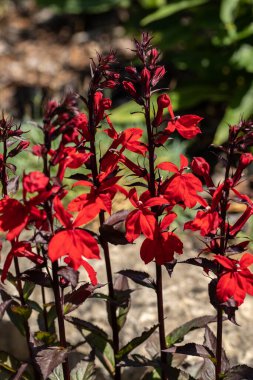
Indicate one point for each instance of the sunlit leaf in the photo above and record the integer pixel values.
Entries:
(170, 9)
(135, 342)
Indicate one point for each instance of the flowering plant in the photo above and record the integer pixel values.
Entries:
(42, 224)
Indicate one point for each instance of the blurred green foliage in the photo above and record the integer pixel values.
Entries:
(207, 45)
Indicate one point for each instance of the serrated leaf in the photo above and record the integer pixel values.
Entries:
(113, 230)
(98, 340)
(191, 349)
(210, 341)
(178, 334)
(13, 185)
(3, 306)
(48, 359)
(170, 9)
(11, 368)
(135, 342)
(22, 311)
(141, 278)
(137, 360)
(88, 326)
(37, 277)
(122, 299)
(74, 299)
(239, 372)
(28, 288)
(46, 337)
(82, 372)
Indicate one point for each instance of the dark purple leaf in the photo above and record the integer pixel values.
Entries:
(135, 342)
(191, 349)
(137, 360)
(13, 185)
(170, 266)
(20, 371)
(139, 277)
(210, 341)
(113, 230)
(178, 334)
(90, 327)
(99, 342)
(79, 177)
(207, 370)
(202, 262)
(48, 359)
(70, 275)
(239, 372)
(140, 184)
(122, 298)
(36, 276)
(74, 299)
(3, 306)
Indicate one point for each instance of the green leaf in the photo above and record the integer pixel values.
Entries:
(228, 10)
(46, 337)
(84, 372)
(243, 58)
(22, 311)
(241, 109)
(135, 342)
(98, 340)
(178, 334)
(28, 288)
(103, 350)
(170, 9)
(9, 366)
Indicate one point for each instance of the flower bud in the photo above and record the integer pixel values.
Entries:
(200, 167)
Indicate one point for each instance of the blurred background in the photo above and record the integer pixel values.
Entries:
(46, 46)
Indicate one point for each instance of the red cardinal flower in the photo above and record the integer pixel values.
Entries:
(186, 125)
(181, 187)
(20, 249)
(35, 181)
(207, 221)
(73, 242)
(236, 279)
(142, 220)
(163, 246)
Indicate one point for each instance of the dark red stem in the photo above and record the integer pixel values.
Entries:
(159, 284)
(104, 244)
(55, 280)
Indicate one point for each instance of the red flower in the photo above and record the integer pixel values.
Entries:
(181, 188)
(20, 249)
(142, 220)
(73, 242)
(162, 248)
(236, 279)
(35, 181)
(186, 125)
(207, 221)
(13, 217)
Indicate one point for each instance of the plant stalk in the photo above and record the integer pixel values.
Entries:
(60, 317)
(159, 283)
(55, 267)
(104, 244)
